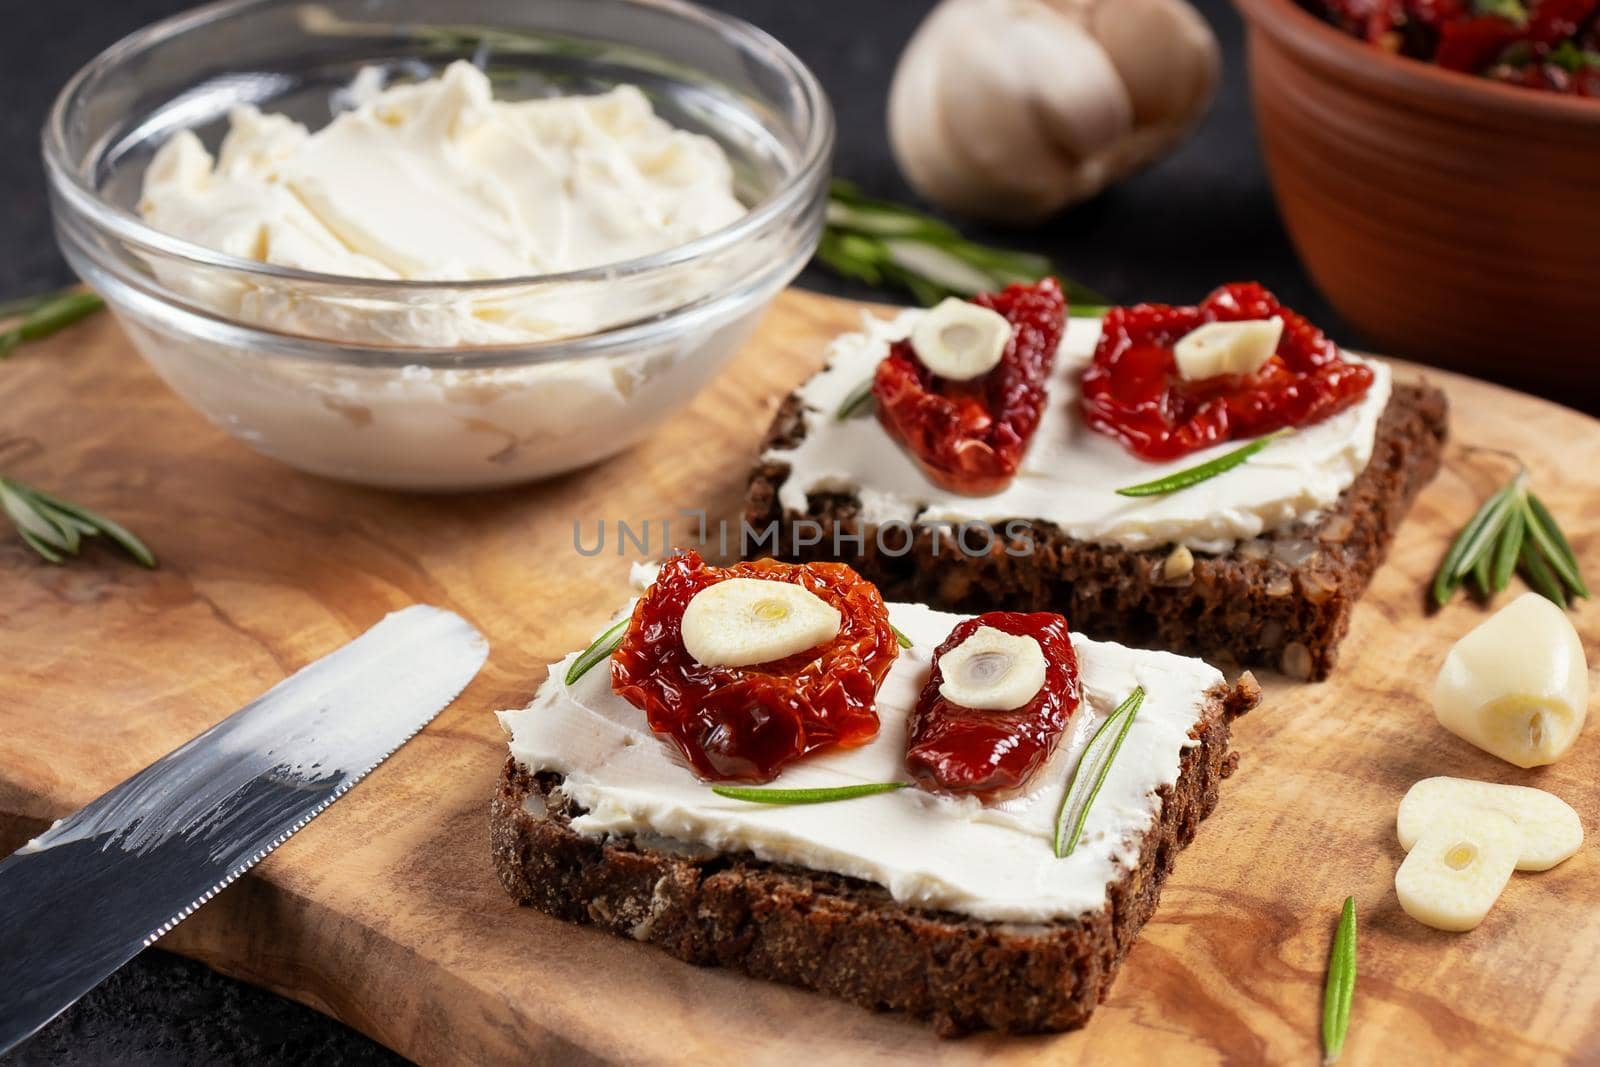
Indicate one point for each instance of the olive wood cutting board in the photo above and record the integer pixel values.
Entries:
(385, 913)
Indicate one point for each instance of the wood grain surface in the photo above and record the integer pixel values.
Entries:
(385, 913)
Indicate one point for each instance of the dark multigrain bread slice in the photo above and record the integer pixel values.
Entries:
(846, 937)
(1282, 600)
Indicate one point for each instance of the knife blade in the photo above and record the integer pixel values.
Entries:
(102, 884)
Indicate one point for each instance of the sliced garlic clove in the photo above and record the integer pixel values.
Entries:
(1454, 873)
(960, 341)
(744, 621)
(1516, 686)
(992, 671)
(1551, 831)
(1241, 347)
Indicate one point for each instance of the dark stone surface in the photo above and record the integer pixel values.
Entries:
(1202, 216)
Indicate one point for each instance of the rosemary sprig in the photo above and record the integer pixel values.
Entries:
(806, 796)
(882, 243)
(43, 315)
(905, 642)
(1341, 986)
(1195, 475)
(55, 528)
(1512, 531)
(1090, 775)
(598, 650)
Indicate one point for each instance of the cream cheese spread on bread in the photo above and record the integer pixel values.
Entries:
(1070, 473)
(992, 863)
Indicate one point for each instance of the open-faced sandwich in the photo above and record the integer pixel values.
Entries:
(968, 818)
(1221, 480)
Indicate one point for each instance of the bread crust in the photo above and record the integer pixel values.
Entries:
(842, 936)
(1282, 600)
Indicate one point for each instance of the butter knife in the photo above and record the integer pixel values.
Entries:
(87, 895)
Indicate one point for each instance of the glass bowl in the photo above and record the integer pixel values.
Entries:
(342, 387)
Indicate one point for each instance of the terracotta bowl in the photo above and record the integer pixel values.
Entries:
(1449, 218)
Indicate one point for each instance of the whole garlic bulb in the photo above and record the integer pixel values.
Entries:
(1013, 109)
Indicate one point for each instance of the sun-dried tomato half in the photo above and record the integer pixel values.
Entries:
(994, 754)
(1133, 392)
(969, 436)
(746, 723)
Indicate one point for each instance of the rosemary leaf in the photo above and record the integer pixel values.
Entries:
(806, 796)
(905, 642)
(119, 534)
(858, 401)
(1480, 571)
(43, 518)
(1553, 528)
(1506, 551)
(20, 509)
(937, 266)
(881, 243)
(62, 518)
(1537, 571)
(50, 554)
(1340, 989)
(1544, 533)
(1448, 577)
(23, 305)
(1195, 475)
(1481, 543)
(59, 311)
(1091, 772)
(880, 223)
(600, 649)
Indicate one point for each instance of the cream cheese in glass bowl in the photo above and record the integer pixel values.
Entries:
(440, 245)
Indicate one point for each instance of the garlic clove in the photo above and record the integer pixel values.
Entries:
(1013, 109)
(1034, 137)
(1517, 685)
(917, 124)
(739, 622)
(1551, 831)
(992, 671)
(1218, 348)
(1455, 872)
(960, 340)
(1163, 83)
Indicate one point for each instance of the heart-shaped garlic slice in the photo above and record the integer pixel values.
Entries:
(1551, 830)
(959, 340)
(992, 671)
(744, 621)
(1217, 348)
(1454, 873)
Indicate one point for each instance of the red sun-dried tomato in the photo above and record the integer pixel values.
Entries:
(1132, 390)
(1472, 44)
(746, 723)
(969, 436)
(994, 754)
